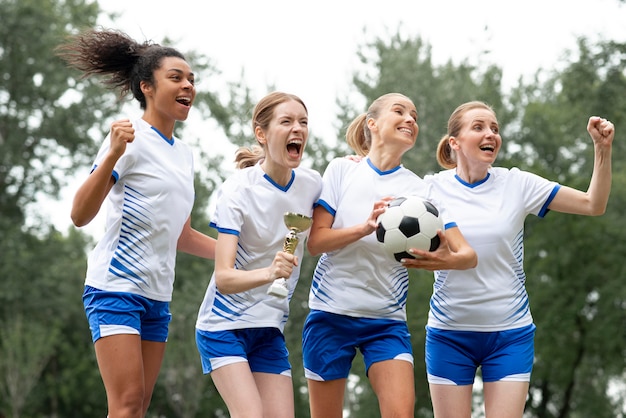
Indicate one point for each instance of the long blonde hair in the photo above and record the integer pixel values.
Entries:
(446, 157)
(261, 117)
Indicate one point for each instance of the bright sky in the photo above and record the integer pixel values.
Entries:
(309, 48)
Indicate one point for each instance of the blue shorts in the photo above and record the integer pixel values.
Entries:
(453, 357)
(330, 341)
(263, 348)
(113, 313)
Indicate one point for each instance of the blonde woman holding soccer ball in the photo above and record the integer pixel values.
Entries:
(480, 317)
(358, 294)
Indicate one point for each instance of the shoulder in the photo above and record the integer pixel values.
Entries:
(308, 175)
(343, 163)
(441, 176)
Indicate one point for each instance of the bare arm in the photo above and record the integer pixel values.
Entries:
(324, 238)
(90, 195)
(454, 253)
(231, 280)
(196, 243)
(592, 202)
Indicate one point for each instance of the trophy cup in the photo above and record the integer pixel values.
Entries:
(296, 223)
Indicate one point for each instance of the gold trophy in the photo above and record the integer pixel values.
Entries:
(296, 223)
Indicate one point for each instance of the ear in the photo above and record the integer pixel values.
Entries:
(454, 143)
(371, 124)
(260, 135)
(146, 88)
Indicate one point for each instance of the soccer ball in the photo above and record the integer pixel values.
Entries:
(408, 222)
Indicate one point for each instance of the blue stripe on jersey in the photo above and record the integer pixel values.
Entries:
(438, 300)
(520, 304)
(128, 260)
(399, 286)
(317, 286)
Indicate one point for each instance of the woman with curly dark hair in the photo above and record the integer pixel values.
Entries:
(145, 175)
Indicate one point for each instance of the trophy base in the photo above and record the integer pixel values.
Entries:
(278, 288)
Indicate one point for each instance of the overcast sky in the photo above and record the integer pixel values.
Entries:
(309, 47)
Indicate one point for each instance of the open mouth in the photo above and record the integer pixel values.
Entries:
(294, 148)
(184, 101)
(489, 148)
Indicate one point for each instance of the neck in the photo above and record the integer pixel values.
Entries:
(281, 175)
(384, 160)
(165, 126)
(471, 175)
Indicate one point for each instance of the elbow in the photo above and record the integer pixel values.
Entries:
(470, 260)
(79, 221)
(599, 211)
(473, 260)
(222, 285)
(313, 249)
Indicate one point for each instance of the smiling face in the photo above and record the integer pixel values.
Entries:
(170, 97)
(478, 141)
(395, 123)
(284, 139)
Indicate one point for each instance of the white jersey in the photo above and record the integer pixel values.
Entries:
(490, 214)
(145, 213)
(251, 205)
(360, 280)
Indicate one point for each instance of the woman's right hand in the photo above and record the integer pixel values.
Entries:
(379, 208)
(122, 133)
(282, 266)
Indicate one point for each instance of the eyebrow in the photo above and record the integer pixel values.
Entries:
(178, 70)
(404, 107)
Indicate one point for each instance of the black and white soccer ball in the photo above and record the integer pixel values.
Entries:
(408, 222)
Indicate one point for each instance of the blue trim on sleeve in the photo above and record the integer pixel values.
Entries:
(115, 174)
(450, 225)
(326, 206)
(224, 230)
(544, 209)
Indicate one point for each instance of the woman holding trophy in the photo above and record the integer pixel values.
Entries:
(246, 305)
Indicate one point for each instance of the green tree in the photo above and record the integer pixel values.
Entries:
(575, 276)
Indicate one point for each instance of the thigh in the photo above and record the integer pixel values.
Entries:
(276, 393)
(326, 398)
(120, 362)
(505, 399)
(152, 357)
(393, 383)
(238, 389)
(451, 401)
